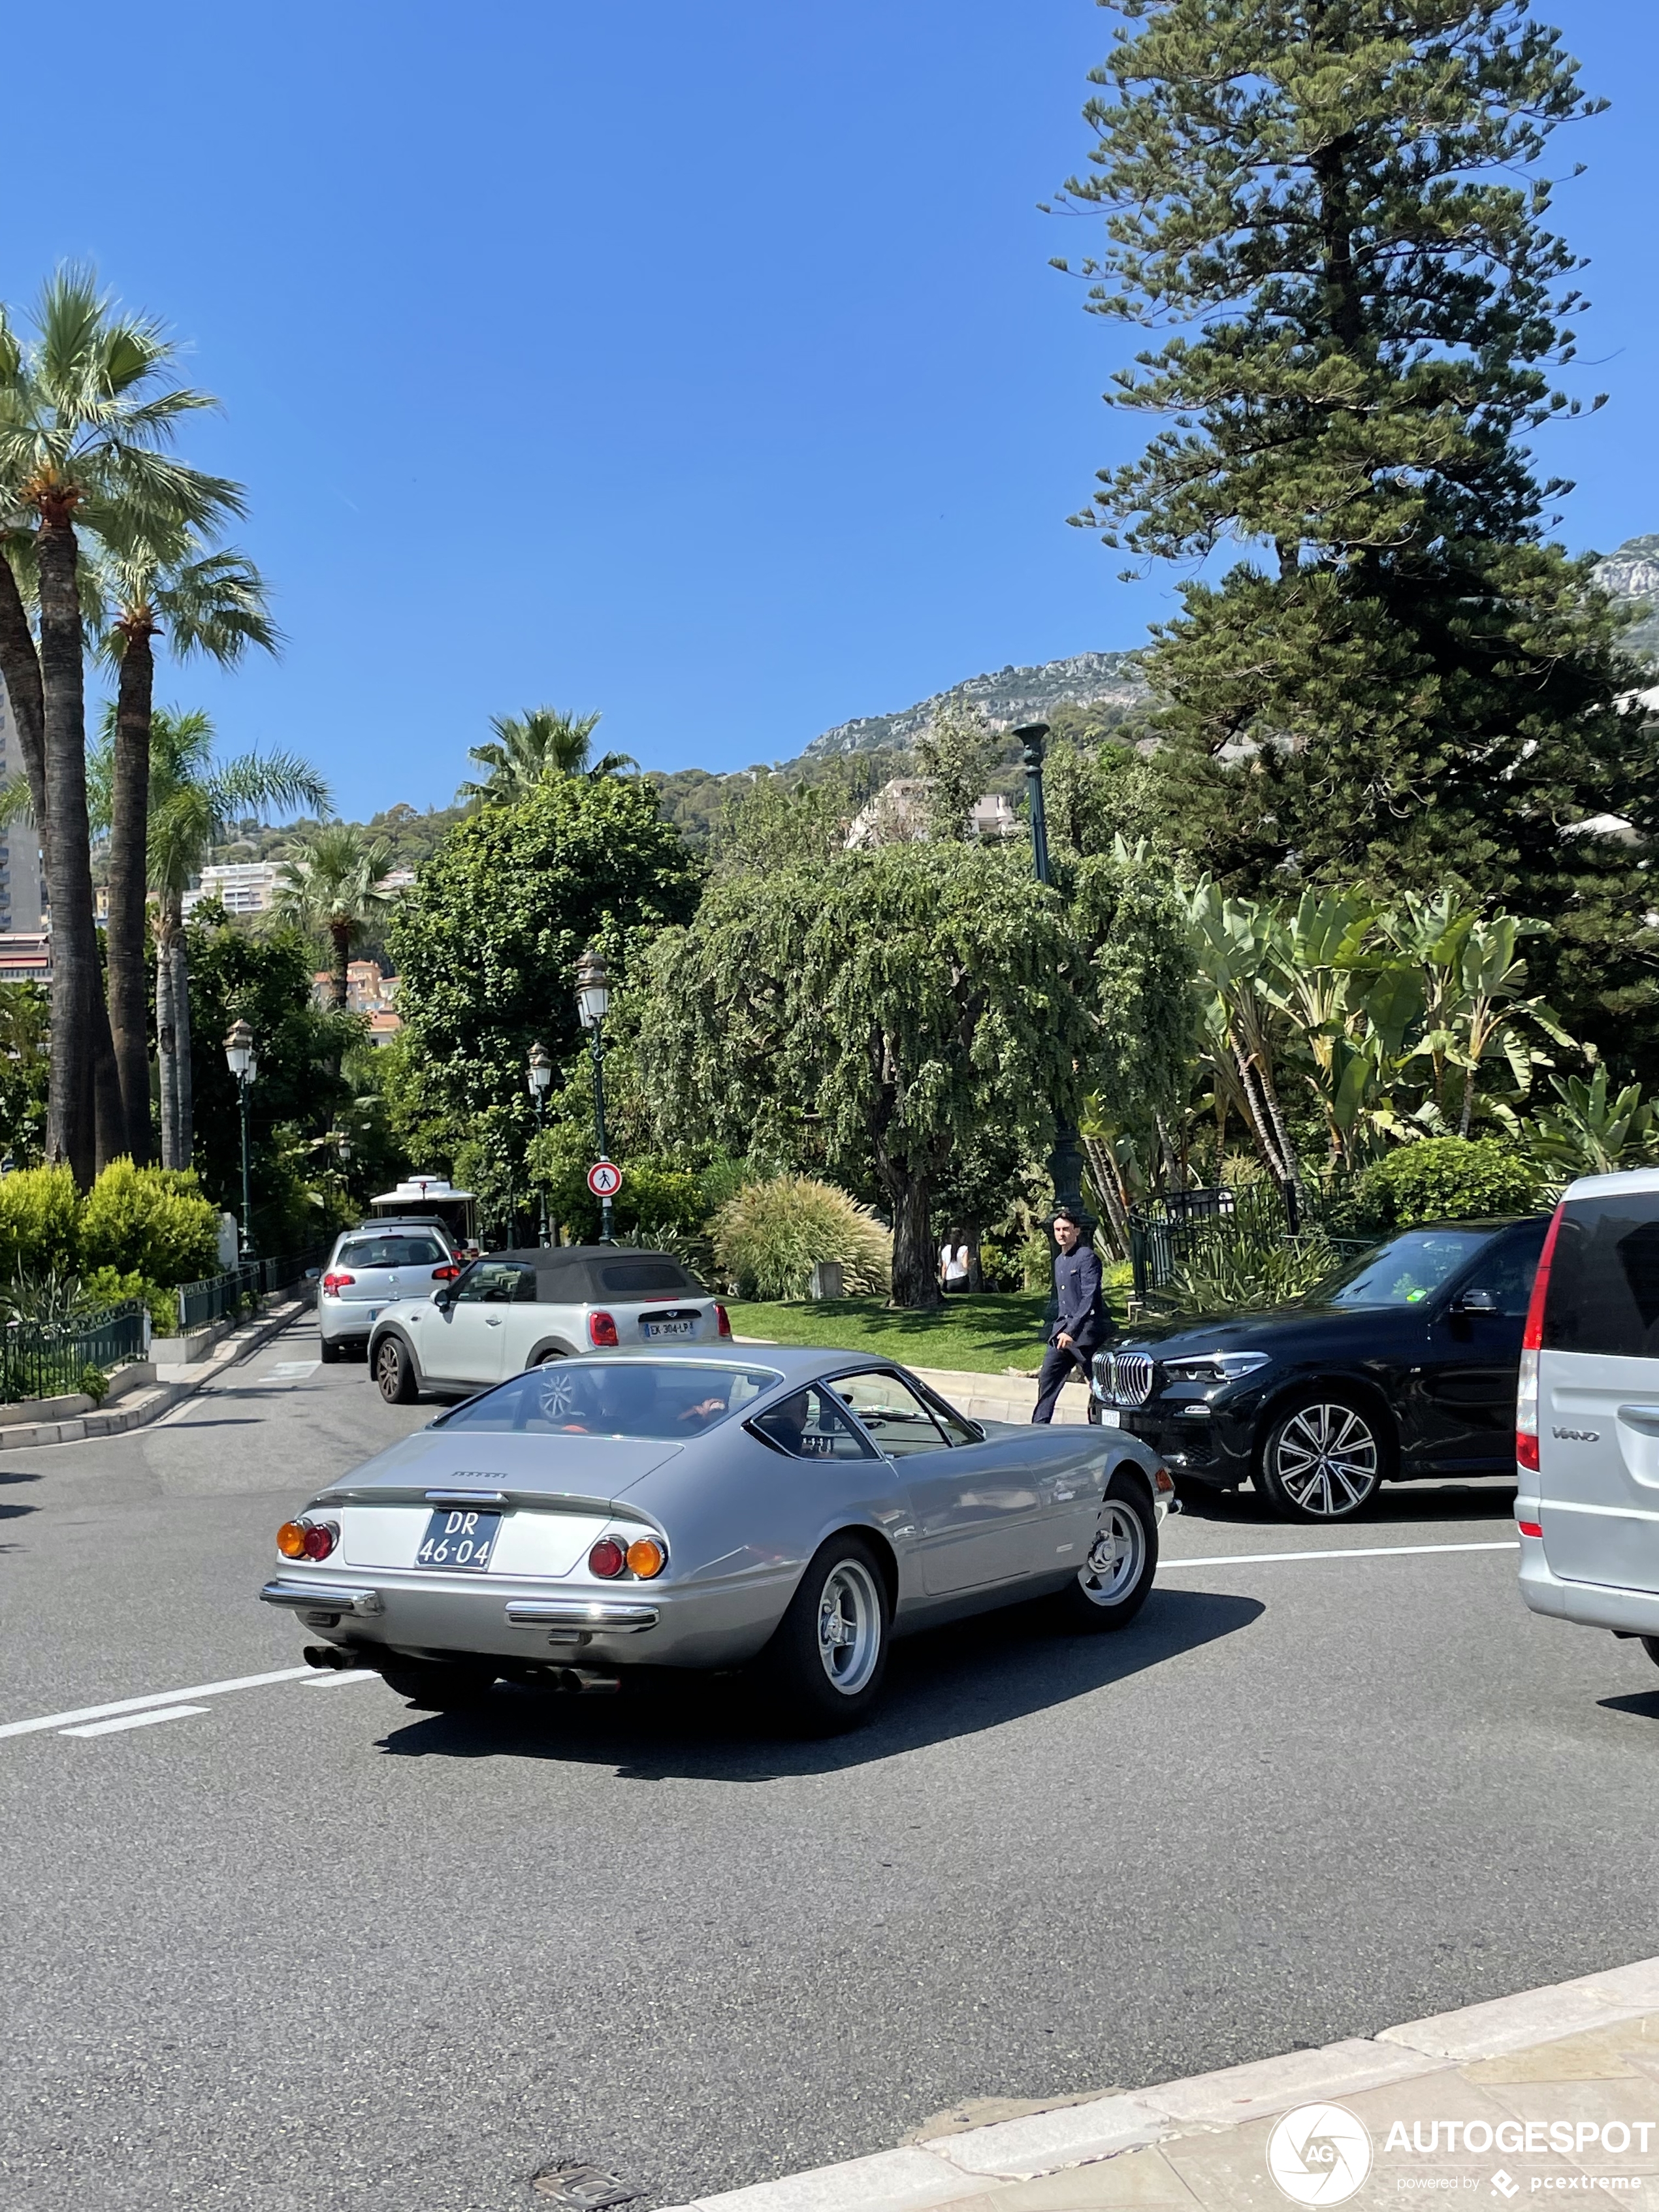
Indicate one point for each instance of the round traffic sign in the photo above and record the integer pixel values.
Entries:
(605, 1179)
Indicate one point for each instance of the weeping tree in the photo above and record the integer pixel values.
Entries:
(194, 801)
(901, 1001)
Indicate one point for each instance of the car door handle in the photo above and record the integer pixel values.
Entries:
(492, 1321)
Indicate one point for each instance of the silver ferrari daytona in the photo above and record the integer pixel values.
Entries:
(694, 1510)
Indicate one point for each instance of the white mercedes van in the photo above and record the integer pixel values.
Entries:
(1586, 1419)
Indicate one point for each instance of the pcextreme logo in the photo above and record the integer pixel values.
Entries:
(1319, 2154)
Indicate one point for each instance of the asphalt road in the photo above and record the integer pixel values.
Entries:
(304, 1949)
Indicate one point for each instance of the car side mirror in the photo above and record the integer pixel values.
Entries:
(443, 1299)
(1474, 1302)
(312, 1274)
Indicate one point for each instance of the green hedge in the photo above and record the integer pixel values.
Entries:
(1445, 1179)
(137, 1222)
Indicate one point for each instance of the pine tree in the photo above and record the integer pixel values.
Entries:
(1340, 207)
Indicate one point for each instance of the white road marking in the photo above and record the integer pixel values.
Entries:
(137, 1720)
(63, 1721)
(1371, 1552)
(353, 1674)
(289, 1371)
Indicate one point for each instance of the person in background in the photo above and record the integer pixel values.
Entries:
(1082, 1323)
(953, 1263)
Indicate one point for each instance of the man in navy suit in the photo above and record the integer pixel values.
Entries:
(1081, 1320)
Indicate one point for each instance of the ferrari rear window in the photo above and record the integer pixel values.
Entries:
(654, 1398)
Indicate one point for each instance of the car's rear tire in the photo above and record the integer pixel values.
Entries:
(394, 1372)
(442, 1684)
(1326, 1458)
(824, 1666)
(1116, 1578)
(331, 1349)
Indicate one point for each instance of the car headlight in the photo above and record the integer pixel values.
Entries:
(1216, 1366)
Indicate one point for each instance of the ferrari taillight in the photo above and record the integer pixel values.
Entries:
(607, 1559)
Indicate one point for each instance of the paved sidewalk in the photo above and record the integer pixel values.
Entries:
(1549, 2095)
(139, 1407)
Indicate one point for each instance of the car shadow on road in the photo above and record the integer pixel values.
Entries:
(949, 1683)
(1482, 1498)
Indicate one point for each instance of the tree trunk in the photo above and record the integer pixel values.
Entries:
(70, 1127)
(19, 665)
(109, 1115)
(915, 1271)
(166, 1040)
(339, 981)
(128, 875)
(186, 1076)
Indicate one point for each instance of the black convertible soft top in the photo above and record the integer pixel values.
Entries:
(585, 1274)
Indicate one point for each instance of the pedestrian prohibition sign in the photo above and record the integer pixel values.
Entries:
(604, 1179)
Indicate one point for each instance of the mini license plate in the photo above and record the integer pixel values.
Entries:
(456, 1536)
(654, 1328)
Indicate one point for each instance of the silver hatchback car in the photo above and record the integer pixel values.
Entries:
(516, 1310)
(371, 1268)
(1587, 1423)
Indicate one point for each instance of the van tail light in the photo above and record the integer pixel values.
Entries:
(1530, 1528)
(1526, 1396)
(445, 1274)
(602, 1329)
(722, 1320)
(335, 1284)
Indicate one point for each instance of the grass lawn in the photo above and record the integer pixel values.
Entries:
(983, 1335)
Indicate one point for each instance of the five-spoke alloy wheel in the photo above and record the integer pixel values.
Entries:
(1325, 1460)
(827, 1659)
(1111, 1585)
(394, 1372)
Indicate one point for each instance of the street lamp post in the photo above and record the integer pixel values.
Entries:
(592, 1003)
(239, 1057)
(540, 1075)
(1066, 1161)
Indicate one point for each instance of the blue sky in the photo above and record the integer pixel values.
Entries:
(699, 365)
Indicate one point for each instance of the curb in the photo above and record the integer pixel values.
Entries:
(150, 1404)
(945, 2168)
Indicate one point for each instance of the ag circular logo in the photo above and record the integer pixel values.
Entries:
(1319, 2154)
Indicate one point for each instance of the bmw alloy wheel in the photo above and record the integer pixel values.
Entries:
(1324, 1461)
(849, 1626)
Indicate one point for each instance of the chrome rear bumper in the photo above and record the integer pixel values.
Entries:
(599, 1618)
(322, 1597)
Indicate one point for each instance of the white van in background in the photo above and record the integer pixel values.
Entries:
(1587, 1421)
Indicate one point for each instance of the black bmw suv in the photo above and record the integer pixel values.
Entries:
(1403, 1363)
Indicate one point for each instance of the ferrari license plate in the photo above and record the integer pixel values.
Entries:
(655, 1328)
(456, 1536)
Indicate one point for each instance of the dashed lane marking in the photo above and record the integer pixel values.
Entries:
(350, 1674)
(137, 1720)
(1331, 1552)
(63, 1721)
(289, 1371)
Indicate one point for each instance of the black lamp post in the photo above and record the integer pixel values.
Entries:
(540, 1075)
(592, 1003)
(1066, 1161)
(239, 1057)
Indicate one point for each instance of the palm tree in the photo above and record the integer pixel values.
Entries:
(193, 803)
(212, 603)
(333, 883)
(85, 410)
(529, 749)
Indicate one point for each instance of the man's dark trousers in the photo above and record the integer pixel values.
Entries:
(1080, 1315)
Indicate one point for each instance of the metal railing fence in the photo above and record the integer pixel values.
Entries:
(211, 1299)
(49, 1360)
(1182, 1227)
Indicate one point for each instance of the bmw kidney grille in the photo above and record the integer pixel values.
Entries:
(1126, 1378)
